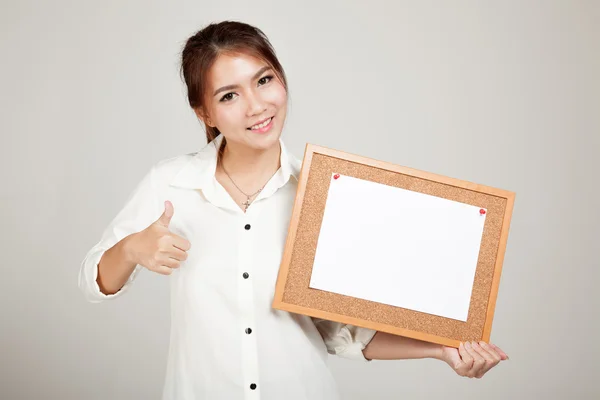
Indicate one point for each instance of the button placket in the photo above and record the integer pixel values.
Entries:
(246, 307)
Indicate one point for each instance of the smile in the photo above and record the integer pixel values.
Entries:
(263, 126)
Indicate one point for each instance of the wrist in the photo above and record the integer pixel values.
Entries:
(436, 352)
(128, 249)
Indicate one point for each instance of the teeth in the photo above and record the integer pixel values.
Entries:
(261, 125)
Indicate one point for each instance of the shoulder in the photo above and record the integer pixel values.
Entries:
(165, 169)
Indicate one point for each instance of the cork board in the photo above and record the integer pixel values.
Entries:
(293, 294)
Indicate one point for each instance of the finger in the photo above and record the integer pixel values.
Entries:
(489, 359)
(178, 254)
(477, 346)
(491, 351)
(467, 361)
(171, 262)
(163, 270)
(500, 351)
(484, 370)
(465, 355)
(165, 218)
(478, 360)
(181, 243)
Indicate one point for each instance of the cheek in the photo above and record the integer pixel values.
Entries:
(278, 96)
(229, 116)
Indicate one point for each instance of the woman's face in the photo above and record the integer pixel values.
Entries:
(244, 92)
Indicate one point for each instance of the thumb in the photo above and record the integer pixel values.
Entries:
(166, 216)
(452, 357)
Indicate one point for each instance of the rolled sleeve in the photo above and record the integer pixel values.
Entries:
(344, 340)
(88, 275)
(140, 210)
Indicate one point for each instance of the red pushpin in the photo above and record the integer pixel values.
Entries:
(482, 211)
(336, 176)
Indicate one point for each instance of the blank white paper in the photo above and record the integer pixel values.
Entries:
(398, 247)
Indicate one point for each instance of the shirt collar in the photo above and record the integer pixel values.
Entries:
(199, 173)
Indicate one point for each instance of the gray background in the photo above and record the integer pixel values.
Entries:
(504, 94)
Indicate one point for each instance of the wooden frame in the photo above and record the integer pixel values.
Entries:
(292, 293)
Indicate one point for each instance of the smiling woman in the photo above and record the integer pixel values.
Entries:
(216, 221)
(234, 78)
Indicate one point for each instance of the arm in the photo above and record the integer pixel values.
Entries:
(471, 359)
(115, 267)
(359, 343)
(385, 346)
(155, 248)
(106, 271)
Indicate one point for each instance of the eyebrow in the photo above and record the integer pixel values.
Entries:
(229, 87)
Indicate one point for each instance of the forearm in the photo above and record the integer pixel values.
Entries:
(115, 267)
(385, 346)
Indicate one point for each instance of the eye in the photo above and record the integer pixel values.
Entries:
(269, 77)
(227, 97)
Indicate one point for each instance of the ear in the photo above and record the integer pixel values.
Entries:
(203, 116)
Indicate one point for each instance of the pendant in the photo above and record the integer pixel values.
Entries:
(246, 204)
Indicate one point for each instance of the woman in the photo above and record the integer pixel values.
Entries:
(216, 221)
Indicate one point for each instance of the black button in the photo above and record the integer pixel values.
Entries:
(248, 331)
(246, 275)
(247, 227)
(253, 386)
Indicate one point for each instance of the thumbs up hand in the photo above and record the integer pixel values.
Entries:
(157, 248)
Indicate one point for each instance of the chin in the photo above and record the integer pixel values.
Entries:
(265, 140)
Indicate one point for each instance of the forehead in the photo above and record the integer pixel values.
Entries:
(231, 69)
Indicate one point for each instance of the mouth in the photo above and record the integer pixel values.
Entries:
(263, 126)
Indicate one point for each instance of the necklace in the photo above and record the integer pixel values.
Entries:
(246, 203)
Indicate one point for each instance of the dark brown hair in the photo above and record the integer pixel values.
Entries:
(203, 48)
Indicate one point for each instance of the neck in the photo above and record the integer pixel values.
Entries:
(248, 164)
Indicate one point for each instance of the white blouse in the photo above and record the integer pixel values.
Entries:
(226, 341)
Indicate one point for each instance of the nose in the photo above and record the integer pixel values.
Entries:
(256, 105)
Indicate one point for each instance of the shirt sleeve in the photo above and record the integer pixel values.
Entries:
(347, 341)
(140, 210)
